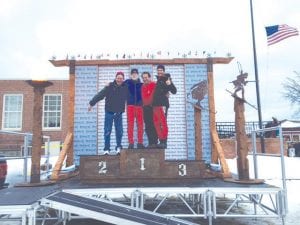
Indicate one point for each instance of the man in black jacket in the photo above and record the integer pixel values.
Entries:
(164, 85)
(115, 95)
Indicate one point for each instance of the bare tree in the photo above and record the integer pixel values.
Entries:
(292, 90)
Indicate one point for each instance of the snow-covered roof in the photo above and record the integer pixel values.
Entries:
(290, 124)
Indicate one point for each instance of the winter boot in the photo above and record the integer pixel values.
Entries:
(140, 146)
(162, 144)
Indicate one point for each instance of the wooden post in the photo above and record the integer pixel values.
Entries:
(66, 148)
(70, 152)
(211, 97)
(241, 138)
(220, 152)
(198, 132)
(37, 137)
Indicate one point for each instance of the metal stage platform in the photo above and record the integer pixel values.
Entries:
(209, 199)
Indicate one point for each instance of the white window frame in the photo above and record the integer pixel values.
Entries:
(294, 137)
(21, 112)
(61, 102)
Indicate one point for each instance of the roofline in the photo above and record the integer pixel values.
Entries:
(107, 62)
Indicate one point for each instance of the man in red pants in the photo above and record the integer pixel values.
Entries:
(164, 85)
(134, 109)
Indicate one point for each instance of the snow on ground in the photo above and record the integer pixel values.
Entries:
(15, 172)
(269, 169)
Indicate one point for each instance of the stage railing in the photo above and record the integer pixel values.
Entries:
(26, 150)
(281, 155)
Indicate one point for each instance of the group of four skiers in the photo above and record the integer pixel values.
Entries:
(146, 102)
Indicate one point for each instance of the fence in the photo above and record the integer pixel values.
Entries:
(227, 129)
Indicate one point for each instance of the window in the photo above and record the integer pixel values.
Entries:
(287, 137)
(296, 138)
(12, 112)
(52, 111)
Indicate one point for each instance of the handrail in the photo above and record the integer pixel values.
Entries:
(20, 133)
(281, 155)
(26, 146)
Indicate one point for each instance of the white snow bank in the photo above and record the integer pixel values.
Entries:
(270, 167)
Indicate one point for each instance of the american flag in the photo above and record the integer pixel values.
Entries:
(278, 33)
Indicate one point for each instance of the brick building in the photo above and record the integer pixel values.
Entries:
(16, 113)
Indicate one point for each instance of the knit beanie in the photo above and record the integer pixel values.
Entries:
(120, 73)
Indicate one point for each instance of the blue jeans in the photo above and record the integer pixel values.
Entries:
(111, 117)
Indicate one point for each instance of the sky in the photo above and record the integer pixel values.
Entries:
(32, 31)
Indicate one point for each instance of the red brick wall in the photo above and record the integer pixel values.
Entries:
(21, 87)
(272, 145)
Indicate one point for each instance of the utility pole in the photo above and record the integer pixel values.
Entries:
(262, 141)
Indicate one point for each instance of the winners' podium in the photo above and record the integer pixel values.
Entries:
(142, 166)
(191, 122)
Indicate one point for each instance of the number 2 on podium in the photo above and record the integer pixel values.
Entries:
(102, 167)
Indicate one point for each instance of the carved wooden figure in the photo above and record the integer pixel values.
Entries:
(239, 84)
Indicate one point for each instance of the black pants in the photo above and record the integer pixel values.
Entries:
(149, 125)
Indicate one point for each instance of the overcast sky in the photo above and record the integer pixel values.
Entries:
(32, 31)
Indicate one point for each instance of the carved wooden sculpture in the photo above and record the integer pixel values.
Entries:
(239, 84)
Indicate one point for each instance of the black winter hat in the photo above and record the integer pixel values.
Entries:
(160, 66)
(134, 71)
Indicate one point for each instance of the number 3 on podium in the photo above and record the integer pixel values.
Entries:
(182, 169)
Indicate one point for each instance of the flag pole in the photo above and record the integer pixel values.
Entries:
(257, 81)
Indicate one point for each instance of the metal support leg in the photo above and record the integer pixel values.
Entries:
(214, 204)
(204, 197)
(137, 199)
(31, 216)
(24, 218)
(142, 201)
(209, 208)
(65, 217)
(254, 205)
(199, 198)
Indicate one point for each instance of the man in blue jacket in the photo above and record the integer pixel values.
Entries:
(115, 94)
(135, 109)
